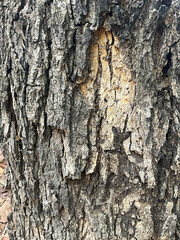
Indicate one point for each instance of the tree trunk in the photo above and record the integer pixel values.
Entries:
(89, 118)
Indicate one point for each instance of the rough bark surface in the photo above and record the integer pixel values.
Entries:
(4, 199)
(90, 118)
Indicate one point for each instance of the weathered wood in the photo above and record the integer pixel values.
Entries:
(90, 118)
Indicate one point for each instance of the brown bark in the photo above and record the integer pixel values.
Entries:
(90, 118)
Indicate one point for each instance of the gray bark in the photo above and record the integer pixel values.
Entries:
(89, 116)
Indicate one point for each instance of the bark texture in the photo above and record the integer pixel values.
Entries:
(90, 118)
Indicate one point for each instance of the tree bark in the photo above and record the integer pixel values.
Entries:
(89, 118)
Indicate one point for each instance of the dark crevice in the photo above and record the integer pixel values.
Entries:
(175, 43)
(16, 18)
(48, 2)
(9, 69)
(24, 28)
(74, 39)
(71, 7)
(26, 80)
(70, 54)
(89, 132)
(119, 137)
(21, 164)
(167, 2)
(10, 102)
(49, 42)
(158, 38)
(112, 38)
(125, 123)
(97, 84)
(110, 13)
(72, 102)
(109, 56)
(168, 65)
